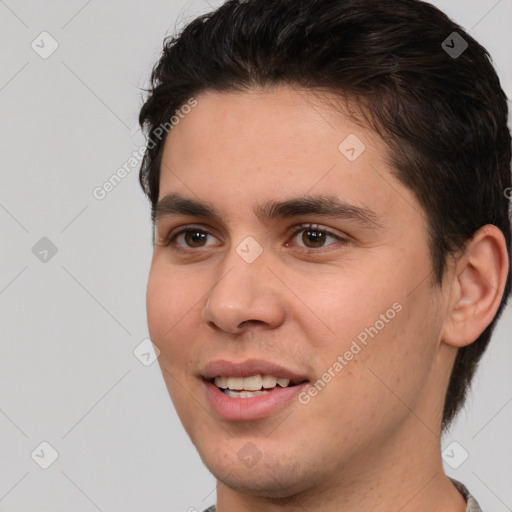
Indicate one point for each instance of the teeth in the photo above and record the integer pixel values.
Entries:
(221, 382)
(269, 381)
(252, 383)
(244, 394)
(235, 383)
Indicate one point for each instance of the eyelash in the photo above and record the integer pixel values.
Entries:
(170, 239)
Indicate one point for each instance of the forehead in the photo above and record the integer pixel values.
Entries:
(234, 147)
(283, 122)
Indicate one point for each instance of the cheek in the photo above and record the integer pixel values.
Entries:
(380, 330)
(375, 387)
(397, 360)
(166, 305)
(348, 305)
(167, 312)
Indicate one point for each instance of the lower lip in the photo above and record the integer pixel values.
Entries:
(253, 408)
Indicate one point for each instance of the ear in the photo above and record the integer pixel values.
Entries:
(477, 287)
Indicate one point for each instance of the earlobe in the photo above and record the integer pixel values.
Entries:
(478, 284)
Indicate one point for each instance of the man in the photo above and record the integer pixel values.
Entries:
(332, 246)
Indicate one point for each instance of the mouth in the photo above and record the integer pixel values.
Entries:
(253, 385)
(250, 389)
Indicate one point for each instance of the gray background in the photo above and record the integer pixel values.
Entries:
(68, 375)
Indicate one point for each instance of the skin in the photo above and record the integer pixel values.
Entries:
(370, 440)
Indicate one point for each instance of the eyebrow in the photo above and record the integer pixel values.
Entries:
(329, 206)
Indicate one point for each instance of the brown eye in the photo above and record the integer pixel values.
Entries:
(188, 237)
(313, 236)
(195, 238)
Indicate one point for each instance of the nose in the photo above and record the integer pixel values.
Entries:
(244, 295)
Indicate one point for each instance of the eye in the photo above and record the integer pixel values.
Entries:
(193, 236)
(313, 237)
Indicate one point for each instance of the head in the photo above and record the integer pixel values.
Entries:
(283, 95)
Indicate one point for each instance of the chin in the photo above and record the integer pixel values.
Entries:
(266, 478)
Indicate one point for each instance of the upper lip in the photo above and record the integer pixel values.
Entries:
(225, 368)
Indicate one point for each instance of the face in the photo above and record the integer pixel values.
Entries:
(339, 300)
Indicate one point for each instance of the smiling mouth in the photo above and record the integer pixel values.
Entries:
(252, 386)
